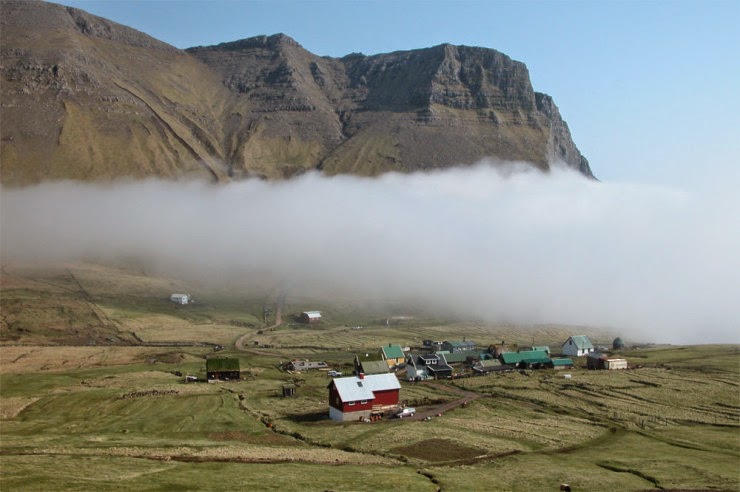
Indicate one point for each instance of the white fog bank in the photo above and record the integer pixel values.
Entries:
(658, 264)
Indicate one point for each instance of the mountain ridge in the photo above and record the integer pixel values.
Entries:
(86, 98)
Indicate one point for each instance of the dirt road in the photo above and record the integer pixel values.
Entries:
(278, 321)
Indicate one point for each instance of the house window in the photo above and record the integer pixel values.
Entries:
(363, 402)
(351, 403)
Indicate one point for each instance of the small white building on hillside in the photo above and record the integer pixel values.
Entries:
(180, 298)
(310, 317)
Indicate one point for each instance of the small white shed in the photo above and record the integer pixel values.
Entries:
(180, 298)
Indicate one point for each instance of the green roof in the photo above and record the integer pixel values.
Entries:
(581, 341)
(528, 356)
(489, 363)
(222, 364)
(368, 356)
(374, 366)
(543, 348)
(455, 357)
(393, 352)
(562, 362)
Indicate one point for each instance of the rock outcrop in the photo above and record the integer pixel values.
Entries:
(86, 98)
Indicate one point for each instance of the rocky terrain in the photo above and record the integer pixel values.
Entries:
(85, 98)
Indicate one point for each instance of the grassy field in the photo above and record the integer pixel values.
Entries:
(85, 406)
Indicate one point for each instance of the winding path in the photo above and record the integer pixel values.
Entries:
(239, 344)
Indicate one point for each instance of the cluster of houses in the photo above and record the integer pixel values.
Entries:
(374, 388)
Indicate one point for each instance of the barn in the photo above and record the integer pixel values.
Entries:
(310, 317)
(359, 397)
(223, 369)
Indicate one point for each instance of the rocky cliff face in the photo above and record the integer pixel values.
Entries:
(86, 98)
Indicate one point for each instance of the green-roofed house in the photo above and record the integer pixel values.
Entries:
(454, 358)
(543, 348)
(223, 369)
(393, 355)
(489, 365)
(369, 367)
(577, 346)
(528, 359)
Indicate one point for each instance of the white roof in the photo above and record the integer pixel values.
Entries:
(179, 295)
(355, 389)
(312, 314)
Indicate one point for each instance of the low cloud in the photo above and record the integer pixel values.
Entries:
(656, 263)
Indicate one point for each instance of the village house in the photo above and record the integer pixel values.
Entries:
(372, 361)
(541, 348)
(433, 366)
(497, 349)
(527, 359)
(577, 346)
(488, 365)
(433, 345)
(366, 364)
(362, 396)
(453, 347)
(310, 317)
(393, 355)
(223, 369)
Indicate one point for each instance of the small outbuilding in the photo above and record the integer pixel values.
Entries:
(306, 365)
(562, 363)
(223, 369)
(180, 298)
(310, 317)
(596, 360)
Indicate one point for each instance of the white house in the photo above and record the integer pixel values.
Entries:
(180, 298)
(577, 346)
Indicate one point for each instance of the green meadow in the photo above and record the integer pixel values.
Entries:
(85, 406)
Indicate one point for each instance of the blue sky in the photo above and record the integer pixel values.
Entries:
(650, 89)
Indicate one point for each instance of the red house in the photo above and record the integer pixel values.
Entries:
(360, 396)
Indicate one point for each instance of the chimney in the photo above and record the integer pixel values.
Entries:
(362, 375)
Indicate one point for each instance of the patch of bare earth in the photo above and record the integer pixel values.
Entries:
(438, 450)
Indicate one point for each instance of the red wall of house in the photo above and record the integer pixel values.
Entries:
(388, 397)
(368, 405)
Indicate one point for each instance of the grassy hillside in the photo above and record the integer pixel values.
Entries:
(106, 412)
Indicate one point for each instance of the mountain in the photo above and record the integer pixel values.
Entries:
(85, 98)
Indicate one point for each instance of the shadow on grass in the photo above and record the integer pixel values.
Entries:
(309, 417)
